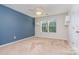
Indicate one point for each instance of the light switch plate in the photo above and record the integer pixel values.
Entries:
(14, 37)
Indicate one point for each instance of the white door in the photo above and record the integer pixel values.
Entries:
(74, 28)
(75, 32)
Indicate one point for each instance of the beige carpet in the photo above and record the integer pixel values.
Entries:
(38, 46)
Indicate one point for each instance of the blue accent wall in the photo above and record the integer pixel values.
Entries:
(14, 23)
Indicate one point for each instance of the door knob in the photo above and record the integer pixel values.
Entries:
(77, 31)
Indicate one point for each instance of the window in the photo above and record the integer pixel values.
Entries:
(52, 26)
(44, 26)
(48, 26)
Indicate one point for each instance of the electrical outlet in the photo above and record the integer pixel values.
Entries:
(14, 37)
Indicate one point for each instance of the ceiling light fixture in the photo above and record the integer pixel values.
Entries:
(38, 13)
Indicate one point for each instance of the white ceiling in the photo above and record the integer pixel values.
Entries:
(49, 9)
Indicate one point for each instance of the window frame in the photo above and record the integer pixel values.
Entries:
(49, 25)
(48, 21)
(41, 26)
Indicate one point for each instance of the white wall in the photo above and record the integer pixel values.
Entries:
(62, 31)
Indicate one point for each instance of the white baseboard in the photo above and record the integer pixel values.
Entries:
(51, 38)
(16, 41)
